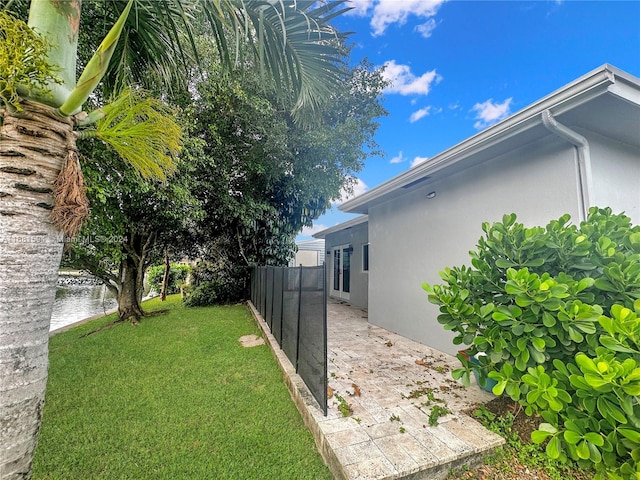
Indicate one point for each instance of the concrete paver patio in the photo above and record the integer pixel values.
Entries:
(392, 385)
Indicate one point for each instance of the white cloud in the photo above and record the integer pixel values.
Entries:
(310, 231)
(398, 158)
(490, 112)
(388, 12)
(359, 187)
(426, 28)
(418, 161)
(418, 114)
(360, 8)
(403, 81)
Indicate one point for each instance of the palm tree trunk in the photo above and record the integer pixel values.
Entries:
(33, 149)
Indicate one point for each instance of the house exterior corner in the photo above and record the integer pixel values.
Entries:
(577, 148)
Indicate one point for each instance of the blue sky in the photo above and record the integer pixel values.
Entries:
(457, 67)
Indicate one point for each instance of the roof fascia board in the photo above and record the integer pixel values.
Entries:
(576, 93)
(342, 226)
(627, 92)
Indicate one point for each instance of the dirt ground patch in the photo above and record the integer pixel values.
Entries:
(518, 459)
(249, 341)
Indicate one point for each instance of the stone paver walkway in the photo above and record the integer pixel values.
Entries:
(392, 385)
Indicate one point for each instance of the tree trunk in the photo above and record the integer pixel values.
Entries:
(165, 277)
(132, 269)
(129, 295)
(33, 149)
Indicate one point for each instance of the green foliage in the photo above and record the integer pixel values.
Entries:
(555, 312)
(437, 411)
(23, 60)
(216, 283)
(517, 451)
(209, 293)
(292, 41)
(261, 177)
(144, 133)
(177, 276)
(131, 218)
(344, 406)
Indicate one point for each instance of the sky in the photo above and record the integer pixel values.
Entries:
(457, 67)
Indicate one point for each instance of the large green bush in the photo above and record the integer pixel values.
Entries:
(552, 315)
(218, 283)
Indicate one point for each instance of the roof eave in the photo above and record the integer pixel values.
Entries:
(582, 90)
(342, 226)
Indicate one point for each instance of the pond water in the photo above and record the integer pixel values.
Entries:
(76, 301)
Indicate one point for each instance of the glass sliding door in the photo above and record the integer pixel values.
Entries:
(346, 269)
(336, 269)
(341, 269)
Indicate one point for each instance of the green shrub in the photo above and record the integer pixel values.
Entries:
(553, 313)
(214, 284)
(204, 294)
(178, 274)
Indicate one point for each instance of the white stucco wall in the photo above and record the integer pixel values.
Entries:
(412, 238)
(616, 176)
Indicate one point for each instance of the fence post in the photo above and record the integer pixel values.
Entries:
(299, 314)
(263, 300)
(273, 294)
(253, 284)
(325, 348)
(282, 284)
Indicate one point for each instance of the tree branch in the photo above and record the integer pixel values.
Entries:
(240, 246)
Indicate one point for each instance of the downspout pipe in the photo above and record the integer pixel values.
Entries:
(583, 164)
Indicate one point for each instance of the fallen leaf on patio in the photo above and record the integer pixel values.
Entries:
(356, 390)
(421, 362)
(329, 392)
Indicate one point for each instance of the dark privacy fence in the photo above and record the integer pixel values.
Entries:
(293, 303)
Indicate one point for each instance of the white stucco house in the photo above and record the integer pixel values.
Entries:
(347, 260)
(575, 148)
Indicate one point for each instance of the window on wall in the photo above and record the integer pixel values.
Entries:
(365, 257)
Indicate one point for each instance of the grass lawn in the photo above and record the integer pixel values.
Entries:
(175, 397)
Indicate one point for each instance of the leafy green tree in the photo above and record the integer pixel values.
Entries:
(266, 177)
(250, 177)
(39, 169)
(130, 218)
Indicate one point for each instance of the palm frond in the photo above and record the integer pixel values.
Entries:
(156, 45)
(291, 40)
(143, 132)
(160, 38)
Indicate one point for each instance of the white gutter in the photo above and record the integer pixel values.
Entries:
(583, 159)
